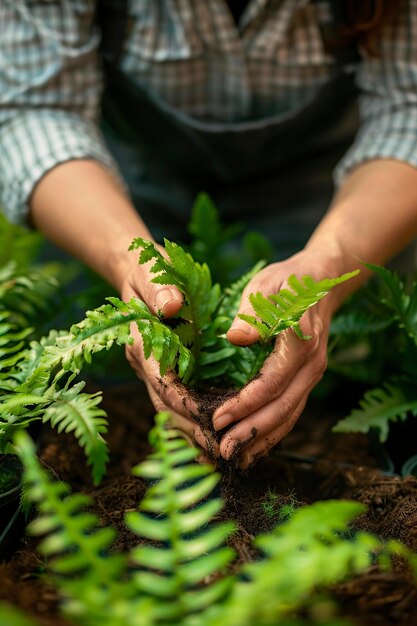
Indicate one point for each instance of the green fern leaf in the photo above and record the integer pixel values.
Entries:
(359, 323)
(166, 347)
(207, 230)
(30, 375)
(397, 300)
(26, 294)
(17, 243)
(72, 411)
(185, 333)
(173, 573)
(102, 328)
(210, 238)
(75, 545)
(191, 278)
(378, 408)
(11, 616)
(233, 294)
(285, 309)
(311, 542)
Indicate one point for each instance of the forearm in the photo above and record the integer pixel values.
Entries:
(81, 207)
(371, 219)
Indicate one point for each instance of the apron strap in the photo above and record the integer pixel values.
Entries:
(113, 20)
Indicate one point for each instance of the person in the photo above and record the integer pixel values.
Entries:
(256, 102)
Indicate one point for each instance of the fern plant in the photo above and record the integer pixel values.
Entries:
(17, 244)
(163, 580)
(179, 577)
(383, 319)
(221, 246)
(206, 314)
(194, 346)
(29, 392)
(39, 382)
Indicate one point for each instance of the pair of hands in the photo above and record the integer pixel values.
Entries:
(267, 408)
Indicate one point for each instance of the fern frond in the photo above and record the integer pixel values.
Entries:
(359, 323)
(109, 325)
(77, 549)
(304, 553)
(11, 616)
(185, 332)
(12, 341)
(217, 355)
(66, 409)
(29, 375)
(210, 238)
(191, 278)
(208, 232)
(193, 549)
(284, 310)
(72, 411)
(397, 299)
(166, 347)
(17, 244)
(233, 294)
(220, 246)
(100, 329)
(26, 294)
(378, 408)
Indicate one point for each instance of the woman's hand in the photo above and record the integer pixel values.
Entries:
(167, 393)
(268, 407)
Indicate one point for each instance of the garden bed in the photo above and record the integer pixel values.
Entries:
(312, 464)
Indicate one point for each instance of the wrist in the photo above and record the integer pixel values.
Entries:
(121, 261)
(329, 259)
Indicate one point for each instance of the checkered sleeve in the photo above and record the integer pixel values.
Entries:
(50, 88)
(388, 96)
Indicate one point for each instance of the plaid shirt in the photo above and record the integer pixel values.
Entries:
(193, 56)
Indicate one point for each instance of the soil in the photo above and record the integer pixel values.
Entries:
(311, 464)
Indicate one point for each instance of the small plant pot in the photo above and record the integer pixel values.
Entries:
(11, 516)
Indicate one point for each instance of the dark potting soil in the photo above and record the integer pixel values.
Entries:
(311, 464)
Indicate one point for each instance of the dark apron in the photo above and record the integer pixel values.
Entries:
(274, 174)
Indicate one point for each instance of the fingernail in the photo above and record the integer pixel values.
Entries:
(163, 298)
(230, 449)
(222, 421)
(242, 327)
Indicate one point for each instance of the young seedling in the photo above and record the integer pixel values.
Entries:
(279, 508)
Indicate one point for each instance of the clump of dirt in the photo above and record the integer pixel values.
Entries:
(207, 402)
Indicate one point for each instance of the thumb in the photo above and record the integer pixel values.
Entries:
(241, 333)
(165, 300)
(162, 299)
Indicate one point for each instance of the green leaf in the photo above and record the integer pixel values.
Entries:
(75, 545)
(194, 282)
(72, 411)
(284, 310)
(11, 616)
(174, 572)
(378, 408)
(398, 301)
